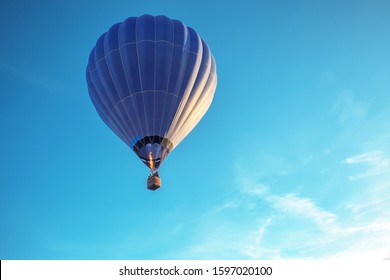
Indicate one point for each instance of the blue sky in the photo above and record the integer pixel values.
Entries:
(292, 161)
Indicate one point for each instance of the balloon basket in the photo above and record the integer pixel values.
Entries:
(154, 181)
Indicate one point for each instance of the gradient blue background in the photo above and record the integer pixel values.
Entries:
(291, 161)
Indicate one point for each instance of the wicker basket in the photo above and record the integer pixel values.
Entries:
(154, 182)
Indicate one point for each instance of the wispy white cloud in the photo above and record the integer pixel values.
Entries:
(376, 161)
(254, 248)
(290, 204)
(228, 204)
(303, 207)
(368, 240)
(348, 238)
(373, 199)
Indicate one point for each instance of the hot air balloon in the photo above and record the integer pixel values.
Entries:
(151, 80)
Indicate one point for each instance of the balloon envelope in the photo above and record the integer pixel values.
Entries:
(151, 80)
